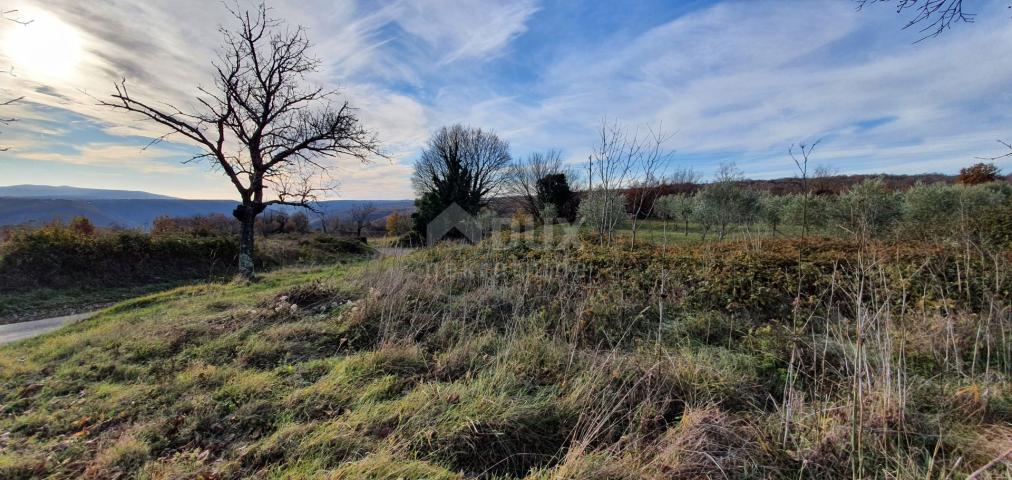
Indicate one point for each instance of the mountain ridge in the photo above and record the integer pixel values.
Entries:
(41, 204)
(76, 193)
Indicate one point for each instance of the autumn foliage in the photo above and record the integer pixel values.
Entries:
(978, 174)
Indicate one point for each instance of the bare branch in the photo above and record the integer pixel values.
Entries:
(936, 16)
(261, 123)
(999, 157)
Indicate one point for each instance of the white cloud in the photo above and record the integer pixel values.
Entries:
(740, 80)
(164, 51)
(748, 79)
(465, 29)
(151, 160)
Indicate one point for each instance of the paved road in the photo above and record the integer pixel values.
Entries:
(20, 331)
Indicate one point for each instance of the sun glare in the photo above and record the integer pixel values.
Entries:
(47, 47)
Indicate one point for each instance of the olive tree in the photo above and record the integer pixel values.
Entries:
(941, 211)
(724, 203)
(676, 207)
(868, 210)
(810, 210)
(772, 209)
(603, 211)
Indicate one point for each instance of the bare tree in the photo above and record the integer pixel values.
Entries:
(683, 176)
(821, 179)
(1007, 154)
(524, 175)
(800, 154)
(461, 165)
(471, 161)
(646, 188)
(624, 159)
(360, 214)
(321, 216)
(261, 124)
(936, 16)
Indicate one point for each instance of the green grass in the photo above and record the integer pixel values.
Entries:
(529, 363)
(45, 302)
(57, 272)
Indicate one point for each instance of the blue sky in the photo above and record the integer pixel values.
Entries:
(733, 81)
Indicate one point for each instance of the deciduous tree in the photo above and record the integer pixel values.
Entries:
(461, 165)
(978, 174)
(360, 215)
(261, 123)
(525, 177)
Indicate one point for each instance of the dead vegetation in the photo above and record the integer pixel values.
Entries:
(868, 361)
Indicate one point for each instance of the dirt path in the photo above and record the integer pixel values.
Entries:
(20, 331)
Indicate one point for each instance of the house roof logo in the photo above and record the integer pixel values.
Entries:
(453, 218)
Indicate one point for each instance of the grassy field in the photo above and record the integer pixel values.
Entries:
(54, 271)
(589, 362)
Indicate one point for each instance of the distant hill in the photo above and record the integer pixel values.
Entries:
(129, 213)
(75, 193)
(35, 204)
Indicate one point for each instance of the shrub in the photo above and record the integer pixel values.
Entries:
(397, 224)
(993, 226)
(197, 225)
(56, 257)
(411, 239)
(978, 174)
(60, 257)
(82, 226)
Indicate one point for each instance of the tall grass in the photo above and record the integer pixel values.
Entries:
(733, 360)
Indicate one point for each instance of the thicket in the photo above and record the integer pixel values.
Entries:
(75, 255)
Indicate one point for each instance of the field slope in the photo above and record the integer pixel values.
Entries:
(828, 360)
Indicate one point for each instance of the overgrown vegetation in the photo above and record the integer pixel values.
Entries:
(60, 266)
(731, 360)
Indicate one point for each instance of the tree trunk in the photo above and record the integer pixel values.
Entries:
(246, 214)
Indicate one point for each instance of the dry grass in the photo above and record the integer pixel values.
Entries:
(583, 363)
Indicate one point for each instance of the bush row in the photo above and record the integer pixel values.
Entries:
(61, 257)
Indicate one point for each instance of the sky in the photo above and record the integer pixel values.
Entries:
(730, 81)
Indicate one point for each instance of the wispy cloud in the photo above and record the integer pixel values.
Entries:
(747, 80)
(465, 29)
(737, 80)
(151, 160)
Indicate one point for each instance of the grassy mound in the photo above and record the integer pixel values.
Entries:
(726, 361)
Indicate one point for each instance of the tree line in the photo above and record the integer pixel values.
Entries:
(270, 132)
